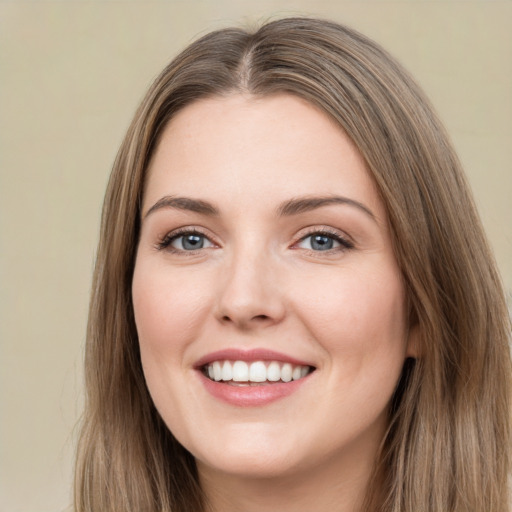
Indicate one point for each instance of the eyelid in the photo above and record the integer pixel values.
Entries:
(164, 242)
(346, 242)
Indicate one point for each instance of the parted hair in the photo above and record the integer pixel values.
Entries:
(447, 448)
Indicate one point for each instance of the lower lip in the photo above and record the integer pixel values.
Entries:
(250, 396)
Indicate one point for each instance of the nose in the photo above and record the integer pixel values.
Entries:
(250, 296)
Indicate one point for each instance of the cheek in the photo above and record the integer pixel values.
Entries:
(359, 319)
(168, 307)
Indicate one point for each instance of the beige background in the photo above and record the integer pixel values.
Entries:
(72, 73)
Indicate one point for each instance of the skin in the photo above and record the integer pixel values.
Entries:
(259, 283)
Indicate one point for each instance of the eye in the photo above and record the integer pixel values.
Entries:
(190, 242)
(322, 241)
(185, 241)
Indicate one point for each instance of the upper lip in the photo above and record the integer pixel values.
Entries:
(257, 354)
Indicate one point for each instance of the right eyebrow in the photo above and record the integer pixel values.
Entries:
(183, 203)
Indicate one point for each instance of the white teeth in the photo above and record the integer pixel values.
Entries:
(227, 371)
(286, 372)
(296, 374)
(273, 372)
(217, 371)
(258, 371)
(240, 371)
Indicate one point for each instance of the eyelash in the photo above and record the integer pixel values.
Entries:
(345, 243)
(169, 238)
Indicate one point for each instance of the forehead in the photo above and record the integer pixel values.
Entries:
(248, 148)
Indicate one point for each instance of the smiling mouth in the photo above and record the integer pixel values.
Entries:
(257, 373)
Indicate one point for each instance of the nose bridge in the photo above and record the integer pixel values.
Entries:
(250, 294)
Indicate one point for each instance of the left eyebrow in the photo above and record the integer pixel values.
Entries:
(306, 204)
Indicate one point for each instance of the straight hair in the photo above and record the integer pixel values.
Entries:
(447, 448)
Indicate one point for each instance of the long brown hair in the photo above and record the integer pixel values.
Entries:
(447, 447)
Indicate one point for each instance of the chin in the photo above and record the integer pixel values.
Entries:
(251, 465)
(251, 456)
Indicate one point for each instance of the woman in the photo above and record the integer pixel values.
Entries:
(294, 305)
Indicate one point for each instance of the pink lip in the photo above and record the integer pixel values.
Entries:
(249, 396)
(257, 354)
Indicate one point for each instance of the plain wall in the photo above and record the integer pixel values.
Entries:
(71, 76)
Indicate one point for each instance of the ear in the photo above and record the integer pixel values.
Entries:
(413, 348)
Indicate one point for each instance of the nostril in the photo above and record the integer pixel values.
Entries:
(256, 318)
(261, 317)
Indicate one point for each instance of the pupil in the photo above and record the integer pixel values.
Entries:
(191, 242)
(322, 243)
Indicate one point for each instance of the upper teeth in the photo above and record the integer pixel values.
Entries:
(258, 371)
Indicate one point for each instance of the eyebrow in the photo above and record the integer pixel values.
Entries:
(184, 203)
(306, 204)
(288, 208)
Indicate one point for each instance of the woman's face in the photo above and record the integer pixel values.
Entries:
(269, 306)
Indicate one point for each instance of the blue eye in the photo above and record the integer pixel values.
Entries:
(324, 242)
(185, 240)
(189, 242)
